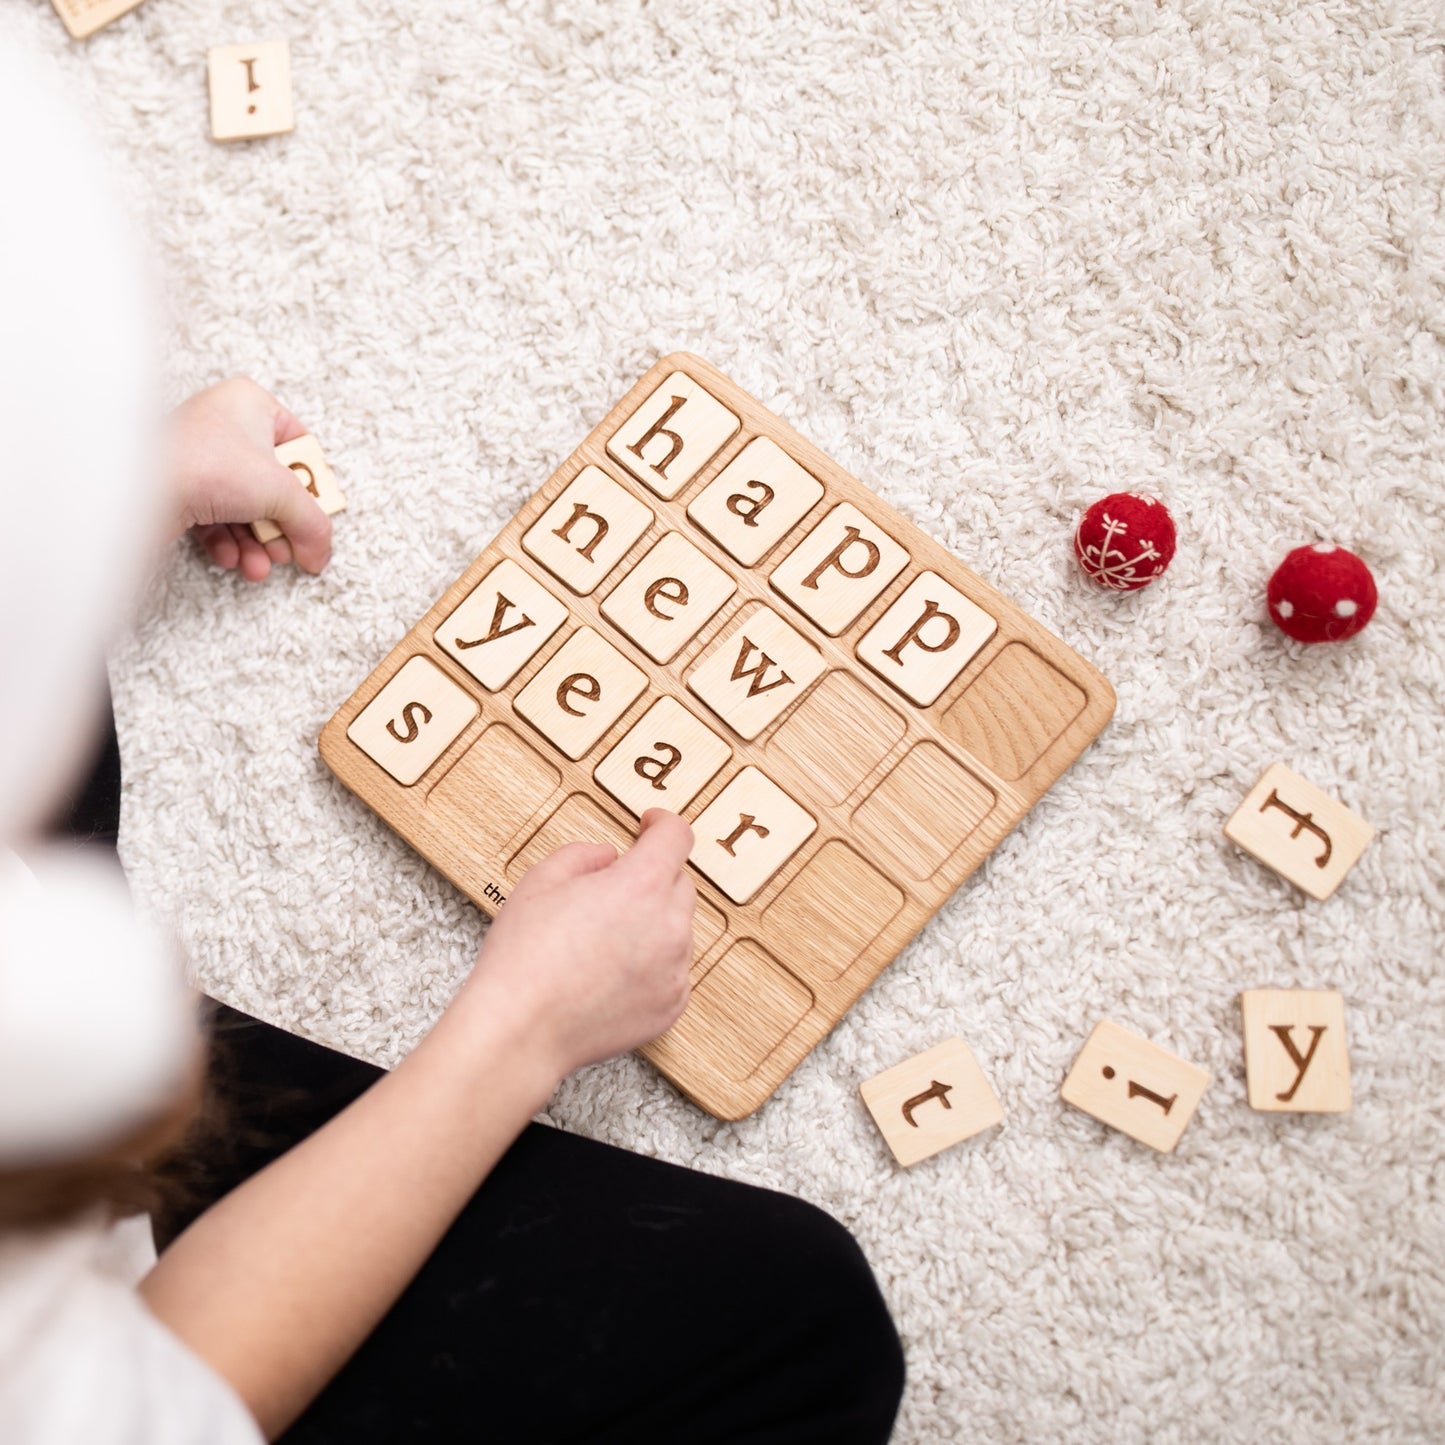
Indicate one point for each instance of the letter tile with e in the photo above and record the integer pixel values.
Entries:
(581, 691)
(664, 601)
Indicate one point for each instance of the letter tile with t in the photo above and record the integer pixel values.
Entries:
(501, 625)
(1295, 1056)
(933, 1100)
(583, 535)
(758, 669)
(581, 691)
(1134, 1086)
(926, 638)
(839, 568)
(664, 601)
(755, 501)
(676, 432)
(747, 833)
(664, 760)
(412, 720)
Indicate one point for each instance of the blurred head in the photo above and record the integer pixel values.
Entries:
(96, 1031)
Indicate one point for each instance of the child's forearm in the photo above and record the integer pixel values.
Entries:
(277, 1285)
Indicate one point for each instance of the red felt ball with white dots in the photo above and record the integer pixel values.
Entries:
(1125, 541)
(1321, 593)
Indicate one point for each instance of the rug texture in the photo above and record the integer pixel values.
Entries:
(997, 260)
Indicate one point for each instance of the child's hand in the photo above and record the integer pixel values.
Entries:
(223, 460)
(591, 952)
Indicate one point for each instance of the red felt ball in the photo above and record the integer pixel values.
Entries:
(1125, 541)
(1321, 593)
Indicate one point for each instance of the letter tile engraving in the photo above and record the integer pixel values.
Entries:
(755, 501)
(413, 720)
(1299, 831)
(250, 90)
(933, 1100)
(305, 457)
(84, 17)
(1134, 1086)
(582, 536)
(1295, 1053)
(664, 761)
(580, 692)
(666, 599)
(839, 568)
(747, 833)
(759, 669)
(501, 625)
(926, 638)
(676, 432)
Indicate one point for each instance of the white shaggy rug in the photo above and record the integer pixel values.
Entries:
(997, 260)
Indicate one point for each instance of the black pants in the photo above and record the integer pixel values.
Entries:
(584, 1294)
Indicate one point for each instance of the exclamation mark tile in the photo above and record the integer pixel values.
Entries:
(250, 90)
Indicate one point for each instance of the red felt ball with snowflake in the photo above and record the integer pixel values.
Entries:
(1321, 593)
(1125, 541)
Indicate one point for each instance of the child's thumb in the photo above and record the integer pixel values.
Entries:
(286, 502)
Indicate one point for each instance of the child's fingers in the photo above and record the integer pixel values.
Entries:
(219, 545)
(684, 894)
(279, 551)
(661, 849)
(255, 563)
(282, 497)
(286, 427)
(574, 861)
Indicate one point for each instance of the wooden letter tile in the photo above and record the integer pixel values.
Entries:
(1134, 1086)
(664, 761)
(413, 720)
(747, 833)
(673, 435)
(759, 668)
(305, 457)
(931, 1101)
(85, 17)
(582, 536)
(755, 500)
(839, 568)
(926, 638)
(1299, 831)
(580, 692)
(250, 90)
(501, 625)
(664, 601)
(1294, 1050)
